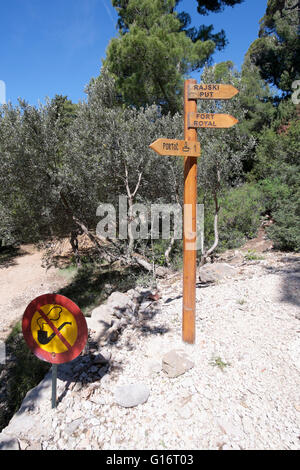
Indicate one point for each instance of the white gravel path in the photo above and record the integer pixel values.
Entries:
(250, 323)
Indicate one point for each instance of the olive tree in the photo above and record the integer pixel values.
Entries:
(108, 156)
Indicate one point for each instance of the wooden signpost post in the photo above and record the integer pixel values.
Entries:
(189, 148)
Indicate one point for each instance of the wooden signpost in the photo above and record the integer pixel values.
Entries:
(189, 148)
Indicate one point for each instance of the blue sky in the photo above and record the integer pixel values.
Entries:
(56, 46)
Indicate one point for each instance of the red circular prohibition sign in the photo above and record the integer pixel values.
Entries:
(73, 351)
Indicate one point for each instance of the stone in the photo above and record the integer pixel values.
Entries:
(230, 447)
(160, 271)
(176, 363)
(106, 352)
(153, 367)
(248, 426)
(8, 442)
(185, 412)
(237, 259)
(34, 445)
(132, 394)
(77, 387)
(71, 428)
(216, 272)
(229, 428)
(119, 302)
(100, 322)
(37, 395)
(101, 319)
(23, 444)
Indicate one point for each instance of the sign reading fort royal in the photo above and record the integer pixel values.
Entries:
(54, 328)
(211, 120)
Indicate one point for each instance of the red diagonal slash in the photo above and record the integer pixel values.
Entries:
(56, 331)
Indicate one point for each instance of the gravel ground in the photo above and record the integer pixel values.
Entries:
(242, 393)
(22, 279)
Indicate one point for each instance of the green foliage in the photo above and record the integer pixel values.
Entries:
(218, 362)
(239, 219)
(158, 249)
(215, 6)
(157, 48)
(152, 54)
(277, 50)
(92, 156)
(241, 215)
(252, 256)
(91, 284)
(277, 166)
(257, 100)
(97, 150)
(286, 230)
(282, 201)
(31, 149)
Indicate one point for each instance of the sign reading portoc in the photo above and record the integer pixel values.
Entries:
(176, 147)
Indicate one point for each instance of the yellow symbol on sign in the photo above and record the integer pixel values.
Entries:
(54, 328)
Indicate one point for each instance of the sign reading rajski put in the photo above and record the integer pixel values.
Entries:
(189, 148)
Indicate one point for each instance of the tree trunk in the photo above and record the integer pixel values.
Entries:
(131, 195)
(85, 230)
(74, 244)
(168, 250)
(130, 234)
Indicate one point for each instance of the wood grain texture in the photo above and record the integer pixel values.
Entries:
(204, 91)
(189, 226)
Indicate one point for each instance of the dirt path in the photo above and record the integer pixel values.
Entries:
(22, 279)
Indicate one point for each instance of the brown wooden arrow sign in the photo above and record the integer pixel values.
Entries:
(210, 120)
(201, 91)
(176, 147)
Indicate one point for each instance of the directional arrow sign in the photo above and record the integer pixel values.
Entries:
(210, 120)
(211, 92)
(176, 147)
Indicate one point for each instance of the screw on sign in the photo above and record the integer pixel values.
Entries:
(55, 330)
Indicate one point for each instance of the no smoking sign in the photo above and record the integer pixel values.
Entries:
(54, 328)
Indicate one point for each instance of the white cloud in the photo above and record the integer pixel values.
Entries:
(109, 12)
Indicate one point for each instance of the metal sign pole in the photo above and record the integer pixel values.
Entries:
(54, 384)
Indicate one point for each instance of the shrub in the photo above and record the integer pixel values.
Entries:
(239, 217)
